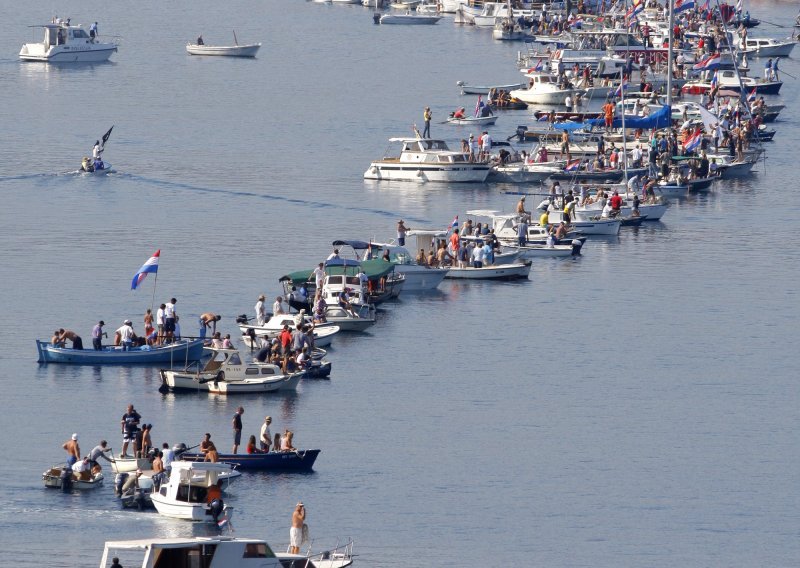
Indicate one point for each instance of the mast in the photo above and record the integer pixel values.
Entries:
(671, 7)
(624, 134)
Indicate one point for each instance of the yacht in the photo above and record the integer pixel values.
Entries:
(63, 43)
(426, 159)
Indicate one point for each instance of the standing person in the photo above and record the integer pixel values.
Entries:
(319, 276)
(401, 233)
(93, 33)
(130, 427)
(99, 451)
(237, 429)
(522, 232)
(768, 69)
(474, 148)
(426, 116)
(73, 450)
(167, 457)
(160, 323)
(148, 323)
(775, 69)
(125, 335)
(147, 441)
(208, 319)
(296, 532)
(266, 436)
(170, 317)
(97, 335)
(277, 307)
(486, 146)
(261, 310)
(608, 113)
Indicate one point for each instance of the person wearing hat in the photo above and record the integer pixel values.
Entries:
(401, 233)
(261, 310)
(73, 450)
(266, 435)
(97, 335)
(125, 335)
(474, 148)
(426, 116)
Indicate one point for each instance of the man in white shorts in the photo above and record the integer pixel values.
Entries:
(296, 532)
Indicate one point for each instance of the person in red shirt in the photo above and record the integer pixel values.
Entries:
(616, 202)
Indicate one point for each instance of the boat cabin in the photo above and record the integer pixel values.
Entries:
(61, 34)
(229, 361)
(192, 552)
(428, 150)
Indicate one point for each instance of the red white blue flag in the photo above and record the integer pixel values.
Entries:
(539, 66)
(150, 266)
(694, 142)
(752, 96)
(634, 10)
(683, 5)
(622, 87)
(714, 81)
(709, 63)
(572, 165)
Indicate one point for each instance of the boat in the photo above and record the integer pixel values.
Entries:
(512, 271)
(524, 172)
(96, 165)
(183, 495)
(766, 47)
(64, 43)
(361, 314)
(55, 477)
(484, 89)
(427, 159)
(249, 50)
(729, 81)
(219, 552)
(505, 229)
(545, 251)
(477, 121)
(226, 373)
(127, 464)
(409, 19)
(594, 226)
(323, 332)
(185, 350)
(299, 460)
(542, 89)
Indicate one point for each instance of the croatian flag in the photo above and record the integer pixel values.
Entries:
(150, 266)
(683, 5)
(752, 96)
(622, 87)
(694, 142)
(714, 81)
(454, 224)
(572, 165)
(709, 63)
(539, 66)
(634, 10)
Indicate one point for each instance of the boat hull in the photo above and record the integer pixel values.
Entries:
(66, 53)
(176, 352)
(409, 20)
(127, 465)
(484, 90)
(427, 172)
(223, 50)
(301, 460)
(420, 278)
(248, 386)
(497, 272)
(541, 98)
(473, 121)
(185, 511)
(522, 173)
(52, 480)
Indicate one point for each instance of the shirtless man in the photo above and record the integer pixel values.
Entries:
(296, 532)
(208, 319)
(77, 342)
(73, 450)
(521, 206)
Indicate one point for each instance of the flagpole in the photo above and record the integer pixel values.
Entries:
(153, 299)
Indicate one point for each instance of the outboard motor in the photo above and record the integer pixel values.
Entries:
(66, 479)
(521, 130)
(576, 247)
(119, 481)
(376, 17)
(241, 319)
(179, 449)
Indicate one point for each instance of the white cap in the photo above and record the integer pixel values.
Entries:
(74, 436)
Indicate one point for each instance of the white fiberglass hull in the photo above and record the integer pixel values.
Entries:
(494, 272)
(185, 511)
(523, 173)
(90, 53)
(323, 335)
(409, 19)
(541, 97)
(420, 278)
(422, 172)
(598, 227)
(223, 50)
(652, 212)
(255, 385)
(543, 251)
(474, 121)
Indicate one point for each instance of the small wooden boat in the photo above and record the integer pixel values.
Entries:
(409, 19)
(300, 460)
(514, 271)
(473, 120)
(179, 351)
(55, 476)
(531, 250)
(224, 50)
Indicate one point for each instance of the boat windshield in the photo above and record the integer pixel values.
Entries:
(79, 34)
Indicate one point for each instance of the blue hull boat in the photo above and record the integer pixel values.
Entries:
(300, 460)
(178, 352)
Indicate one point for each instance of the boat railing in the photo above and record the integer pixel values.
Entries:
(339, 552)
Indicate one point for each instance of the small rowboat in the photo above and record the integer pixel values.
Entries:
(409, 19)
(300, 460)
(179, 351)
(54, 478)
(224, 50)
(517, 270)
(473, 120)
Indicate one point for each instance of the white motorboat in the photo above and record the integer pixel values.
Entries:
(218, 552)
(360, 315)
(589, 226)
(55, 476)
(419, 278)
(427, 7)
(523, 172)
(410, 19)
(128, 464)
(513, 271)
(765, 47)
(183, 495)
(473, 120)
(64, 43)
(224, 50)
(505, 227)
(323, 333)
(227, 373)
(493, 12)
(545, 251)
(542, 89)
(484, 89)
(729, 170)
(426, 159)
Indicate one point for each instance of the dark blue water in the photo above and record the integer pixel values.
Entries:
(634, 407)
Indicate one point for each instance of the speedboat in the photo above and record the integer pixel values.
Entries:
(426, 159)
(542, 89)
(183, 495)
(409, 19)
(298, 460)
(226, 373)
(224, 50)
(64, 43)
(525, 172)
(62, 477)
(361, 314)
(220, 552)
(185, 350)
(546, 251)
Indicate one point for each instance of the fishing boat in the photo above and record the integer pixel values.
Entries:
(62, 477)
(427, 159)
(298, 460)
(226, 373)
(467, 89)
(183, 495)
(477, 121)
(235, 50)
(219, 552)
(409, 19)
(185, 350)
(64, 43)
(127, 464)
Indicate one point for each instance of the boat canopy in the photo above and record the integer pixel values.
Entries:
(661, 118)
(374, 269)
(357, 245)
